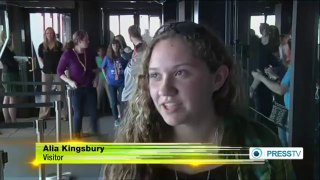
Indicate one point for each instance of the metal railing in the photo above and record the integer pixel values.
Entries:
(40, 125)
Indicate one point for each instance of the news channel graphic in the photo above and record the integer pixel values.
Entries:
(267, 153)
(140, 153)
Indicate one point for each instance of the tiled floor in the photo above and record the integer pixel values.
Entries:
(19, 144)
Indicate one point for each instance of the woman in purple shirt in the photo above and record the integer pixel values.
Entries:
(82, 77)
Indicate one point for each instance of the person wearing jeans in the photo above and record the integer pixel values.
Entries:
(84, 99)
(113, 67)
(115, 93)
(83, 75)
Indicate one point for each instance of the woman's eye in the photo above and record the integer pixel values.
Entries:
(180, 73)
(154, 75)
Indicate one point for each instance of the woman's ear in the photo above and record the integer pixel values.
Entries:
(220, 77)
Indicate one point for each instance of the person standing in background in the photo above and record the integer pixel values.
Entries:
(10, 73)
(114, 65)
(134, 66)
(268, 52)
(83, 76)
(103, 84)
(271, 81)
(50, 52)
(126, 51)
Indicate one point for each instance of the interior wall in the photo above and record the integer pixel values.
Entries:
(89, 15)
(211, 14)
(286, 17)
(170, 11)
(17, 25)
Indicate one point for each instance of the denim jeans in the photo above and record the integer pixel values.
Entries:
(123, 107)
(84, 99)
(115, 98)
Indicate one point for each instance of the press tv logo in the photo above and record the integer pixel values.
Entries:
(276, 153)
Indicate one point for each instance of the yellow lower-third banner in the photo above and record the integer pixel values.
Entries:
(140, 153)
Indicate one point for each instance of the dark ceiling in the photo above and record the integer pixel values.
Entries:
(265, 6)
(70, 4)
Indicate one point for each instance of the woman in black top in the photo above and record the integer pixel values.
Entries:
(267, 56)
(10, 73)
(50, 52)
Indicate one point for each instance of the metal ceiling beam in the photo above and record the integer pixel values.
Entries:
(60, 4)
(121, 5)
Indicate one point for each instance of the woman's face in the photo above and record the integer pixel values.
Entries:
(84, 43)
(49, 34)
(115, 47)
(180, 85)
(118, 38)
(101, 52)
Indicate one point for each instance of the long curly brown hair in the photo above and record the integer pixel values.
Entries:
(142, 122)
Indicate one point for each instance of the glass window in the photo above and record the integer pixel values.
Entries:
(62, 33)
(271, 19)
(55, 24)
(65, 27)
(119, 24)
(151, 23)
(154, 24)
(47, 20)
(37, 31)
(114, 24)
(144, 23)
(255, 23)
(125, 22)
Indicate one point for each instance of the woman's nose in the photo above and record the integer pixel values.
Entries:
(167, 87)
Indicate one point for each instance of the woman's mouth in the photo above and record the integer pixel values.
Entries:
(171, 107)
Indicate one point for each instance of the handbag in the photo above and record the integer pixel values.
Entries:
(279, 114)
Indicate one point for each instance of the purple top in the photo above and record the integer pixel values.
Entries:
(82, 76)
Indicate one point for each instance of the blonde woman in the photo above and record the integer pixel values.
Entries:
(50, 52)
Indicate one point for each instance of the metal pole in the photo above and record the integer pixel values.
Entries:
(66, 175)
(227, 20)
(40, 137)
(7, 32)
(58, 133)
(69, 113)
(1, 167)
(235, 28)
(33, 64)
(226, 23)
(196, 11)
(162, 13)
